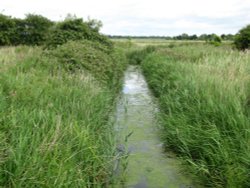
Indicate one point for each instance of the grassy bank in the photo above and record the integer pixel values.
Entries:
(54, 109)
(204, 94)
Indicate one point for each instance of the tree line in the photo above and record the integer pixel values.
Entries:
(184, 36)
(39, 30)
(240, 40)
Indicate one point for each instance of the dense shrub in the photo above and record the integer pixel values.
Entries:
(74, 29)
(106, 65)
(38, 30)
(242, 39)
(30, 31)
(6, 29)
(214, 40)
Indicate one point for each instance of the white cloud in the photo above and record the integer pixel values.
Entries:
(151, 17)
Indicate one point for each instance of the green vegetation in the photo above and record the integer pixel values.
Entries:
(242, 39)
(75, 29)
(54, 114)
(136, 57)
(38, 30)
(183, 37)
(55, 102)
(56, 98)
(29, 31)
(203, 94)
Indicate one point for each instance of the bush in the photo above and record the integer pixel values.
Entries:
(242, 39)
(30, 31)
(36, 29)
(6, 29)
(105, 65)
(73, 29)
(214, 40)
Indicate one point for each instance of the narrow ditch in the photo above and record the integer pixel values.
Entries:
(146, 165)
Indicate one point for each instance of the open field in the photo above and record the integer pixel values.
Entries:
(156, 42)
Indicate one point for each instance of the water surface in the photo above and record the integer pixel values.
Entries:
(148, 166)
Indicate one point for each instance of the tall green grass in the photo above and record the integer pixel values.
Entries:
(204, 95)
(54, 115)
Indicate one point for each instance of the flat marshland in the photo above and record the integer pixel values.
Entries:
(55, 108)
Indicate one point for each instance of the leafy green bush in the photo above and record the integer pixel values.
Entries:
(36, 29)
(106, 65)
(242, 39)
(214, 40)
(6, 29)
(32, 30)
(74, 29)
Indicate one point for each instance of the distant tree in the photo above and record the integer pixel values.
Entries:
(184, 36)
(203, 37)
(242, 38)
(223, 37)
(230, 37)
(193, 37)
(214, 39)
(227, 37)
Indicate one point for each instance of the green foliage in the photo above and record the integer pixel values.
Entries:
(75, 29)
(54, 112)
(33, 30)
(19, 34)
(6, 29)
(92, 56)
(214, 40)
(36, 29)
(204, 111)
(70, 29)
(135, 57)
(242, 39)
(229, 37)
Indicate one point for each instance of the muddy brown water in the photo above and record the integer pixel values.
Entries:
(147, 166)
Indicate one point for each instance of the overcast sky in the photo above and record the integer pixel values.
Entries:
(143, 17)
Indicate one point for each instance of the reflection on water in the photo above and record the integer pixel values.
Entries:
(148, 166)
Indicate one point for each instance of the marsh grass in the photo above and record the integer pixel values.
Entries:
(54, 123)
(204, 94)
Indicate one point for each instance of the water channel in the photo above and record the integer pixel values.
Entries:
(147, 165)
